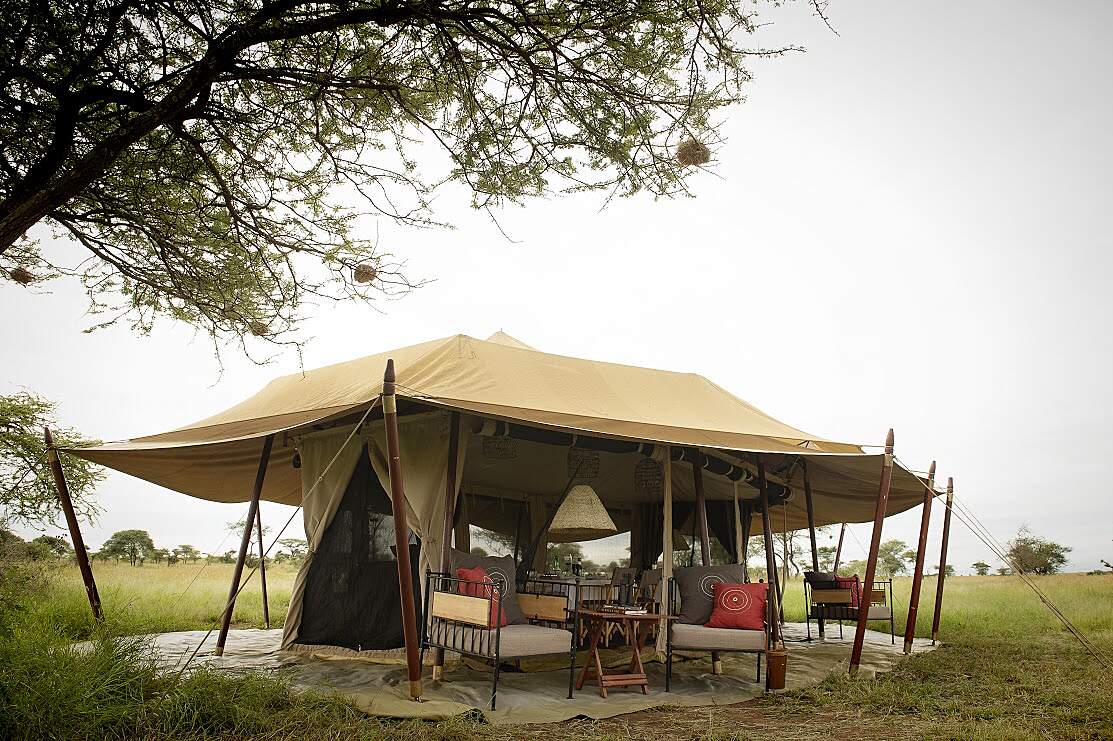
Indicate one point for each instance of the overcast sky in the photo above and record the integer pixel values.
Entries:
(908, 226)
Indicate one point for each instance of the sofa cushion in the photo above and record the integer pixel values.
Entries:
(820, 580)
(502, 572)
(722, 639)
(853, 584)
(739, 606)
(697, 584)
(533, 640)
(475, 583)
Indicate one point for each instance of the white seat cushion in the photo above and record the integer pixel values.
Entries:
(533, 640)
(725, 639)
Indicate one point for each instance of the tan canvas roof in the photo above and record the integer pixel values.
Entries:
(215, 458)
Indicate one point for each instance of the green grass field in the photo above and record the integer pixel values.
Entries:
(1007, 669)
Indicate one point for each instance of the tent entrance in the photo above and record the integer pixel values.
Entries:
(351, 592)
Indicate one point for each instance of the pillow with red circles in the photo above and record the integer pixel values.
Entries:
(738, 606)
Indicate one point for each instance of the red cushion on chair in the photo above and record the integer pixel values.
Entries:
(738, 606)
(851, 583)
(475, 584)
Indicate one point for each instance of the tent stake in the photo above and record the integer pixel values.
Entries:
(704, 544)
(838, 550)
(401, 532)
(942, 561)
(245, 541)
(772, 608)
(811, 530)
(449, 513)
(262, 567)
(918, 573)
(79, 550)
(871, 563)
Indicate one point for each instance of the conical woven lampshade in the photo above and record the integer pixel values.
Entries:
(581, 517)
(679, 542)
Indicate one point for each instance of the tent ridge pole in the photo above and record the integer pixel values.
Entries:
(942, 561)
(811, 530)
(79, 550)
(449, 516)
(401, 532)
(245, 541)
(871, 563)
(918, 572)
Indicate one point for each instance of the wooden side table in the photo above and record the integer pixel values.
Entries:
(598, 621)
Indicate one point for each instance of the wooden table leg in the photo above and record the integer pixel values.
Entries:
(593, 661)
(636, 667)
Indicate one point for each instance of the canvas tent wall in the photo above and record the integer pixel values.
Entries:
(313, 413)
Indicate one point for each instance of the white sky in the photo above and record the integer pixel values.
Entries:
(909, 226)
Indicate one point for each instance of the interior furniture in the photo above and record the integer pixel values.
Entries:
(634, 626)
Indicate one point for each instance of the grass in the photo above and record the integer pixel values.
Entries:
(1006, 670)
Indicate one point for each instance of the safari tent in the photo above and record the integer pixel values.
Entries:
(491, 433)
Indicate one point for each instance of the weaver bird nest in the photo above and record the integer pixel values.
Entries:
(259, 328)
(365, 273)
(21, 276)
(691, 152)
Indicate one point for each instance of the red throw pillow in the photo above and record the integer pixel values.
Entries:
(738, 606)
(475, 584)
(851, 583)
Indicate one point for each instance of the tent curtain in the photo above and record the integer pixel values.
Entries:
(650, 523)
(423, 452)
(319, 504)
(720, 521)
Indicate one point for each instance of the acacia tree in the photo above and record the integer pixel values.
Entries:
(27, 492)
(201, 151)
(1029, 553)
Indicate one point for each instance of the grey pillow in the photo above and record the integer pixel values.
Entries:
(820, 579)
(697, 591)
(501, 569)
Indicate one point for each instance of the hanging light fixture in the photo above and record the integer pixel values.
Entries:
(679, 542)
(581, 516)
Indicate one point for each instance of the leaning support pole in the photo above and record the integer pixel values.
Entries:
(838, 550)
(942, 561)
(772, 607)
(918, 573)
(401, 533)
(747, 526)
(245, 541)
(80, 553)
(811, 530)
(449, 514)
(871, 563)
(704, 541)
(262, 567)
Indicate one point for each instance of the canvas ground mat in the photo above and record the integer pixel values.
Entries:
(377, 684)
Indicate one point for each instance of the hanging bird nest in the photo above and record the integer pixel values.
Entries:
(581, 516)
(259, 328)
(365, 273)
(691, 152)
(22, 276)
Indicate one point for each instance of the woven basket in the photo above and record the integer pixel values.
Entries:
(581, 517)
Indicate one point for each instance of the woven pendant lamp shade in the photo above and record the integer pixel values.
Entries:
(581, 517)
(679, 542)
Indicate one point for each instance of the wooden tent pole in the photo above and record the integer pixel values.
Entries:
(245, 541)
(739, 545)
(871, 563)
(449, 514)
(918, 572)
(811, 529)
(838, 550)
(747, 526)
(704, 542)
(772, 608)
(79, 550)
(401, 532)
(262, 567)
(942, 561)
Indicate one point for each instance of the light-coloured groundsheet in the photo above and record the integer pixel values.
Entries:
(537, 693)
